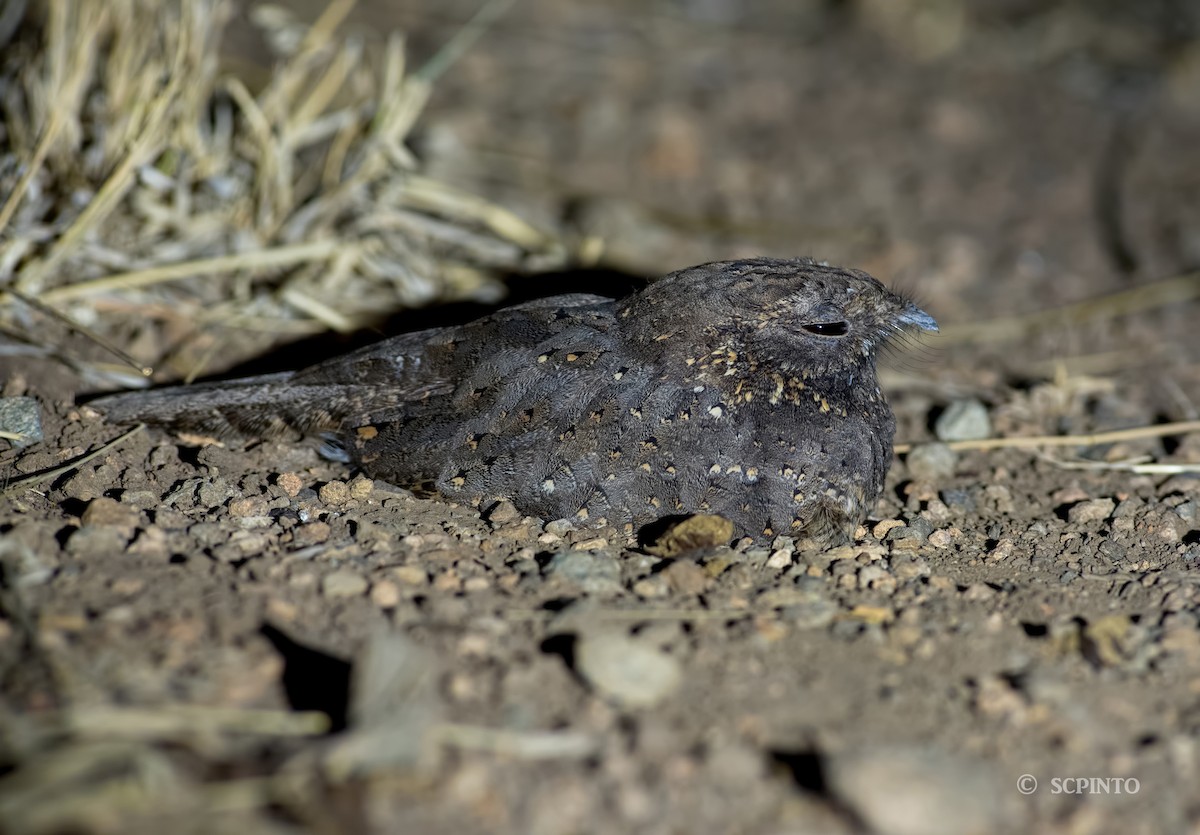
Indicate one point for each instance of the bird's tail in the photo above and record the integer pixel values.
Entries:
(267, 406)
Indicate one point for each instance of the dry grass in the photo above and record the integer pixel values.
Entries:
(145, 189)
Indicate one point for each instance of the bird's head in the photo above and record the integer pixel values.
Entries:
(794, 315)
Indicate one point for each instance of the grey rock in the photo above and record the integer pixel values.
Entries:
(592, 573)
(931, 463)
(963, 420)
(630, 672)
(1092, 510)
(344, 582)
(21, 416)
(914, 791)
(958, 500)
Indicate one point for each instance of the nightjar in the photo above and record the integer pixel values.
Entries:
(741, 388)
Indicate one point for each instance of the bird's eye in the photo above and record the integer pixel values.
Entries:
(827, 328)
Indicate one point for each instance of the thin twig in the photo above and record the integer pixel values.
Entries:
(281, 256)
(55, 472)
(1156, 431)
(1141, 466)
(87, 332)
(463, 39)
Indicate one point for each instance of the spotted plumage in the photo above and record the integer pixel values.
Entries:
(741, 388)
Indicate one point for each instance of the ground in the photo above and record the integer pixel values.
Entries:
(1008, 620)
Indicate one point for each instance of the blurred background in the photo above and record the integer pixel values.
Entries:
(992, 157)
(980, 150)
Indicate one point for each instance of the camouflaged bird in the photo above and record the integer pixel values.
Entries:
(742, 388)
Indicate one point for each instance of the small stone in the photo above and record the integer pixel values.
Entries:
(977, 592)
(686, 577)
(282, 610)
(503, 511)
(932, 463)
(780, 559)
(21, 416)
(385, 594)
(695, 533)
(910, 791)
(334, 493)
(97, 541)
(559, 527)
(411, 575)
(361, 488)
(881, 529)
(592, 573)
(128, 586)
(811, 611)
(596, 543)
(652, 587)
(314, 533)
(628, 671)
(290, 483)
(344, 583)
(214, 493)
(105, 512)
(1187, 512)
(1004, 549)
(476, 584)
(958, 500)
(942, 539)
(1093, 510)
(963, 420)
(151, 542)
(140, 499)
(1105, 641)
(254, 506)
(905, 532)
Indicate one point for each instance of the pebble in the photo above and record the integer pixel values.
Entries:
(503, 511)
(814, 612)
(411, 575)
(1187, 512)
(883, 528)
(906, 532)
(780, 559)
(385, 594)
(932, 462)
(290, 483)
(344, 583)
(625, 670)
(214, 493)
(361, 488)
(252, 506)
(592, 573)
(96, 541)
(21, 416)
(958, 500)
(912, 791)
(652, 587)
(334, 493)
(963, 420)
(695, 533)
(1093, 510)
(140, 499)
(312, 533)
(941, 539)
(106, 512)
(560, 527)
(686, 577)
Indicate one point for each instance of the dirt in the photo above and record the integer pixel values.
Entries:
(1004, 614)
